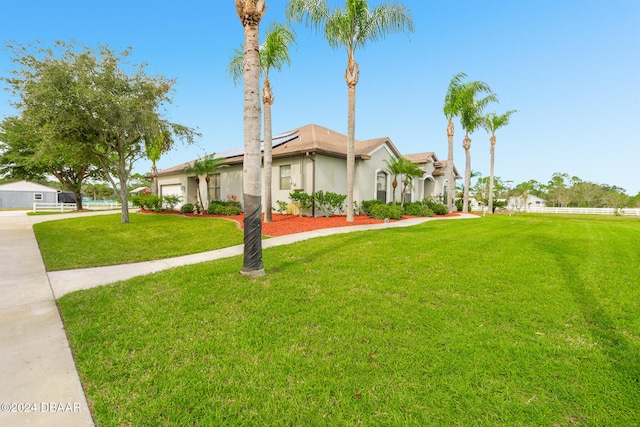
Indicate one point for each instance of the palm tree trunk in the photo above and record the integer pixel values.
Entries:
(351, 77)
(267, 100)
(466, 144)
(491, 171)
(450, 176)
(250, 13)
(199, 194)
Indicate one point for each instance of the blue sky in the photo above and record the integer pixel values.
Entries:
(570, 67)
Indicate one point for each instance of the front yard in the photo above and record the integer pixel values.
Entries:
(498, 321)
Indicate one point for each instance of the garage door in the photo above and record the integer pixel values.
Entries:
(172, 190)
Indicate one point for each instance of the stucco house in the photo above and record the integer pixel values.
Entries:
(22, 194)
(310, 159)
(531, 202)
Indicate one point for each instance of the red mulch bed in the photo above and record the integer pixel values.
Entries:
(291, 224)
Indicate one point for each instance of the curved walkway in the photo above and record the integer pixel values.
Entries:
(40, 385)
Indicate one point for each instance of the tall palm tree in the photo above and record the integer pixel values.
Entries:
(250, 13)
(470, 120)
(492, 122)
(351, 28)
(274, 53)
(452, 108)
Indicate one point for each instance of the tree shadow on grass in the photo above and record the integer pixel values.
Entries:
(614, 344)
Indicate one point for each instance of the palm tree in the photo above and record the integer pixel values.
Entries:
(395, 166)
(250, 13)
(274, 53)
(452, 108)
(154, 147)
(492, 122)
(211, 166)
(470, 120)
(198, 169)
(404, 168)
(410, 170)
(351, 28)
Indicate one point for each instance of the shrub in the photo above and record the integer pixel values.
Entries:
(382, 211)
(229, 208)
(417, 209)
(437, 208)
(149, 202)
(302, 200)
(187, 208)
(216, 207)
(329, 202)
(171, 201)
(368, 204)
(282, 207)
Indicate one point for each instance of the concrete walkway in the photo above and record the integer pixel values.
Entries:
(40, 385)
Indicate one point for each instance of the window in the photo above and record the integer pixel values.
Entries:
(285, 177)
(214, 184)
(37, 196)
(381, 187)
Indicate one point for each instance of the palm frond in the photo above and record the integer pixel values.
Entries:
(274, 52)
(313, 13)
(236, 65)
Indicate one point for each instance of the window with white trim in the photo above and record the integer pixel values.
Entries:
(285, 177)
(38, 196)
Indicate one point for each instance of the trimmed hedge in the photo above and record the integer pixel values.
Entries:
(187, 208)
(368, 204)
(381, 211)
(417, 209)
(224, 207)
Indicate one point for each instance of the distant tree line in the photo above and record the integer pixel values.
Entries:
(561, 190)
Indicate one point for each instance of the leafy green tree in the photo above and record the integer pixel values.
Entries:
(351, 28)
(24, 155)
(470, 119)
(491, 123)
(533, 187)
(250, 13)
(76, 97)
(559, 189)
(274, 53)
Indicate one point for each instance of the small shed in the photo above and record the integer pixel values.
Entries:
(22, 194)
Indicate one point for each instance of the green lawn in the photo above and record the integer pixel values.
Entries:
(94, 241)
(499, 321)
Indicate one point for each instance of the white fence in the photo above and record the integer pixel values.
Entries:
(70, 207)
(590, 211)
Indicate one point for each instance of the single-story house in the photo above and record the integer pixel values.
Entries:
(22, 194)
(531, 202)
(310, 159)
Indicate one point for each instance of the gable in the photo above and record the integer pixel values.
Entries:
(26, 186)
